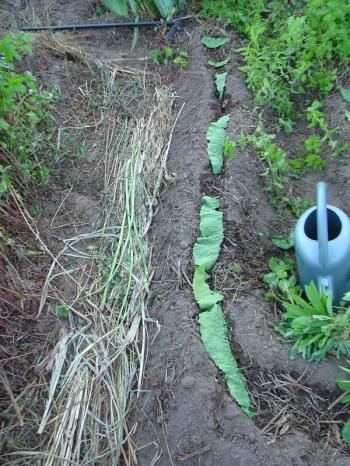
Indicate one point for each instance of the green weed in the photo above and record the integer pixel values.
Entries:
(23, 110)
(314, 325)
(292, 47)
(165, 55)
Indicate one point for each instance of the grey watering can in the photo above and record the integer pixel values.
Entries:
(322, 245)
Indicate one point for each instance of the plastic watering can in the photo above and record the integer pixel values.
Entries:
(322, 245)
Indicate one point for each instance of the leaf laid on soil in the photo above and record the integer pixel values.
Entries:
(345, 94)
(345, 433)
(213, 330)
(220, 83)
(216, 136)
(203, 295)
(214, 42)
(219, 64)
(207, 247)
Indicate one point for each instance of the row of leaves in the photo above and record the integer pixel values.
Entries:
(213, 327)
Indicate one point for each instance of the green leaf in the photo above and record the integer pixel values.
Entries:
(203, 295)
(229, 149)
(207, 247)
(219, 64)
(119, 7)
(62, 311)
(213, 330)
(165, 7)
(347, 115)
(220, 83)
(345, 433)
(314, 298)
(214, 42)
(282, 242)
(216, 136)
(345, 94)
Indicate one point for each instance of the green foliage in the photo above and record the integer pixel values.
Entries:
(220, 83)
(153, 8)
(292, 47)
(216, 136)
(167, 54)
(62, 311)
(314, 326)
(162, 56)
(207, 247)
(213, 330)
(280, 170)
(23, 110)
(214, 42)
(219, 64)
(230, 149)
(181, 59)
(282, 242)
(344, 384)
(281, 278)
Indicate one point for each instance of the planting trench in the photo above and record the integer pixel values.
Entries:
(186, 402)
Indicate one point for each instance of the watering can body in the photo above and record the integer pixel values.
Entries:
(322, 245)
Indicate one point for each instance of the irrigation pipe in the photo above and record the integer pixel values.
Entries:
(120, 24)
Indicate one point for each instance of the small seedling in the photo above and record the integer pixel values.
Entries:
(62, 311)
(282, 242)
(181, 59)
(230, 149)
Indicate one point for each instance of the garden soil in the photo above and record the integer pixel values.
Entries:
(184, 414)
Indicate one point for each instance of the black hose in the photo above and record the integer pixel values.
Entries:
(63, 27)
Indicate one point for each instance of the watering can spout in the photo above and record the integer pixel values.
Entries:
(322, 224)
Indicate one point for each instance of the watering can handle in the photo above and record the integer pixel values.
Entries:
(322, 223)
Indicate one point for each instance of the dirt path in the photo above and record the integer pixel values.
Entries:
(186, 406)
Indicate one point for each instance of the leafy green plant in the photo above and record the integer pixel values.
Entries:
(62, 311)
(292, 47)
(282, 242)
(220, 84)
(216, 136)
(153, 8)
(181, 59)
(162, 56)
(281, 278)
(23, 110)
(165, 55)
(314, 325)
(230, 148)
(214, 42)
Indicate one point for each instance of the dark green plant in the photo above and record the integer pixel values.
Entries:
(314, 325)
(23, 109)
(291, 48)
(281, 278)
